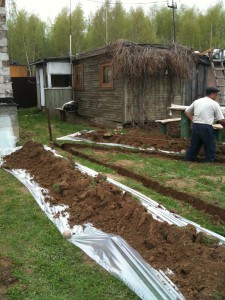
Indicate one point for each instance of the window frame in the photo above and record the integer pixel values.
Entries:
(106, 85)
(63, 79)
(79, 69)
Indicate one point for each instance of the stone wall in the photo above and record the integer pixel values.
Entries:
(8, 109)
(5, 79)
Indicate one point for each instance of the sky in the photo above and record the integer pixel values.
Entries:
(49, 9)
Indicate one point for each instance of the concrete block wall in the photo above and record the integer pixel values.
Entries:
(8, 109)
(11, 112)
(5, 80)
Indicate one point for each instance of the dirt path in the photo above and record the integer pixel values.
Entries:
(198, 262)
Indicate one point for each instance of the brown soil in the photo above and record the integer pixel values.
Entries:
(198, 262)
(216, 213)
(150, 137)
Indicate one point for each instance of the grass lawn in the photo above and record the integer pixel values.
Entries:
(45, 265)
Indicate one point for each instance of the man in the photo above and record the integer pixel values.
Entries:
(203, 113)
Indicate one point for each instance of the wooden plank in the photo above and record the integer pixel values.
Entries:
(217, 126)
(165, 121)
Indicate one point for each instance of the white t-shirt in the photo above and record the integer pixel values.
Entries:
(205, 111)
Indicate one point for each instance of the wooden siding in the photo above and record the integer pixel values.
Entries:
(195, 88)
(161, 92)
(97, 102)
(18, 71)
(118, 104)
(56, 98)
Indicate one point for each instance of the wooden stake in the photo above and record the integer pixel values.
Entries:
(49, 124)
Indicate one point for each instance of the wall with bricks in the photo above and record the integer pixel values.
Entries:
(7, 106)
(5, 80)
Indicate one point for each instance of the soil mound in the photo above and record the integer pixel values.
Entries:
(149, 138)
(197, 261)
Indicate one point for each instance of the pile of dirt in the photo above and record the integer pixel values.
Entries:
(148, 138)
(216, 213)
(197, 261)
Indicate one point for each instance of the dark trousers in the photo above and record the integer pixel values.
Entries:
(202, 134)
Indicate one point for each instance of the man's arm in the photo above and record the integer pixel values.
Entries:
(189, 116)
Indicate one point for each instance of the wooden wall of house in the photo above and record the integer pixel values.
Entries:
(162, 91)
(96, 102)
(56, 98)
(195, 88)
(117, 104)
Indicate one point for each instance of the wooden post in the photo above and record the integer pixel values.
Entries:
(185, 126)
(49, 124)
(163, 128)
(218, 134)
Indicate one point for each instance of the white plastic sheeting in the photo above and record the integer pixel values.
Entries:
(74, 137)
(111, 251)
(158, 212)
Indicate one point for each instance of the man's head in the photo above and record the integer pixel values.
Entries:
(211, 92)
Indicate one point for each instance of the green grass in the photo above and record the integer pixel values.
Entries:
(46, 265)
(185, 210)
(34, 126)
(201, 180)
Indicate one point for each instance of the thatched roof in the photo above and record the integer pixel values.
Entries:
(134, 60)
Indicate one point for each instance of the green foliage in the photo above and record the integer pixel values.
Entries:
(78, 30)
(163, 25)
(59, 34)
(189, 18)
(26, 37)
(218, 295)
(140, 27)
(56, 187)
(31, 39)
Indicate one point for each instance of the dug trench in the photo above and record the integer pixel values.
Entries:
(150, 138)
(214, 211)
(196, 260)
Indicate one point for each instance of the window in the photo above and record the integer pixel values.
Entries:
(61, 80)
(106, 75)
(78, 77)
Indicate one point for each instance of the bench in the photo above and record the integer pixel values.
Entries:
(218, 131)
(164, 122)
(62, 113)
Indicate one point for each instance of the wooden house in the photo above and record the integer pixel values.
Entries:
(104, 92)
(125, 82)
(53, 80)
